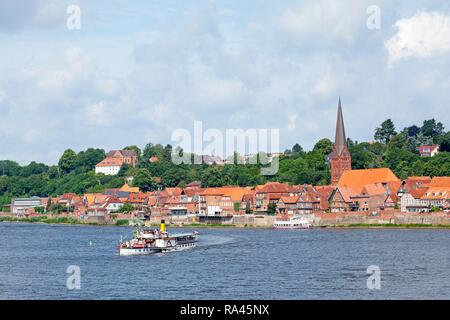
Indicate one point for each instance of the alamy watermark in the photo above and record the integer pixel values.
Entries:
(73, 21)
(373, 22)
(213, 142)
(74, 280)
(374, 280)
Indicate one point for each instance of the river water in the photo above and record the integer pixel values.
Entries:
(229, 263)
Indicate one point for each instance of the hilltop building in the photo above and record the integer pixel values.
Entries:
(340, 159)
(114, 160)
(429, 151)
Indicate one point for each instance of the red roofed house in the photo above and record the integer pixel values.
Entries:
(429, 151)
(365, 190)
(438, 193)
(288, 205)
(127, 156)
(411, 193)
(270, 192)
(223, 200)
(324, 194)
(114, 160)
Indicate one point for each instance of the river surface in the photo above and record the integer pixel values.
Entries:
(229, 263)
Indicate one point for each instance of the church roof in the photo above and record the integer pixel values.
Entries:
(358, 179)
(340, 139)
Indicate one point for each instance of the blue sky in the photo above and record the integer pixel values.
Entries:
(138, 70)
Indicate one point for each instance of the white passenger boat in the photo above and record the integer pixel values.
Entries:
(292, 223)
(147, 241)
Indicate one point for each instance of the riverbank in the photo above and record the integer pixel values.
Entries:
(47, 220)
(391, 220)
(123, 222)
(387, 226)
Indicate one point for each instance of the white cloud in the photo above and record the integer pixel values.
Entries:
(31, 135)
(282, 66)
(3, 95)
(423, 35)
(325, 21)
(292, 122)
(108, 87)
(325, 84)
(98, 114)
(17, 15)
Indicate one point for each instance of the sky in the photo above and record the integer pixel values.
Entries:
(136, 71)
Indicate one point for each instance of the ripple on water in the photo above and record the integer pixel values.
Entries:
(229, 263)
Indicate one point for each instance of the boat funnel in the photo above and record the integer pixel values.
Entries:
(162, 227)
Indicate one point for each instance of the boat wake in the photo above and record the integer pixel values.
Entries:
(214, 240)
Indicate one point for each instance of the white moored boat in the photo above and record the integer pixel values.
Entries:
(147, 241)
(292, 223)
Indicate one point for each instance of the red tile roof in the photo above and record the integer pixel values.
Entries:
(274, 187)
(290, 199)
(357, 179)
(110, 161)
(440, 182)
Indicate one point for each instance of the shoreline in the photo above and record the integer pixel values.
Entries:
(387, 226)
(72, 221)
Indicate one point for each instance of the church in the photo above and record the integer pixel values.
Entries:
(340, 159)
(358, 190)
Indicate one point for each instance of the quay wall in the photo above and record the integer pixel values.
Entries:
(327, 219)
(393, 218)
(318, 219)
(248, 220)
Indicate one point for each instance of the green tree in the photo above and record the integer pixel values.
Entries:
(412, 131)
(33, 168)
(297, 149)
(86, 160)
(364, 156)
(9, 168)
(124, 169)
(68, 161)
(144, 180)
(444, 142)
(126, 208)
(248, 209)
(324, 146)
(420, 140)
(431, 128)
(385, 132)
(271, 208)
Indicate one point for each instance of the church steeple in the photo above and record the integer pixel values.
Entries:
(340, 159)
(340, 140)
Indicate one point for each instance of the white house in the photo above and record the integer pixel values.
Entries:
(113, 204)
(412, 201)
(109, 166)
(21, 205)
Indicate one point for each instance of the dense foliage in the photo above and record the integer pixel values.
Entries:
(75, 171)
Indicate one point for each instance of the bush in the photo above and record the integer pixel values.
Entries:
(122, 222)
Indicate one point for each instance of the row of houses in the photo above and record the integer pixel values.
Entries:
(371, 190)
(424, 194)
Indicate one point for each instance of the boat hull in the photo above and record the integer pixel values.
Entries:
(292, 223)
(151, 250)
(292, 227)
(180, 247)
(137, 251)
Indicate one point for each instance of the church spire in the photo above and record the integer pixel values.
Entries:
(340, 140)
(340, 158)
